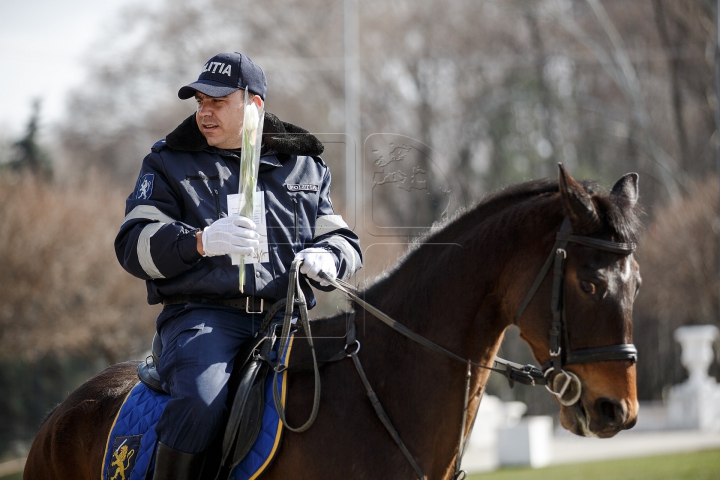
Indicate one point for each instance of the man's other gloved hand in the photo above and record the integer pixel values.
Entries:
(235, 234)
(316, 260)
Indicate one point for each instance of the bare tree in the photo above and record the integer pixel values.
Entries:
(678, 259)
(486, 93)
(62, 289)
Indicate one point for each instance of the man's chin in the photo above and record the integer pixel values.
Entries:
(212, 139)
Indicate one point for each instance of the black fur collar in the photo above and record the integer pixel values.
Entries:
(278, 136)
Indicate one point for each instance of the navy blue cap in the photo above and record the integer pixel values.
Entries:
(226, 73)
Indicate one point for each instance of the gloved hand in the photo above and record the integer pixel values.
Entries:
(316, 260)
(235, 234)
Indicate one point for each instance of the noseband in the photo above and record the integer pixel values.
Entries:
(566, 385)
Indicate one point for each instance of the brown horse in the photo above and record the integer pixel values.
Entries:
(460, 287)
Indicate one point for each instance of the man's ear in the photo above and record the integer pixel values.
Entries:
(258, 101)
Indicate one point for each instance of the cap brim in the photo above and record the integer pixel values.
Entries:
(208, 87)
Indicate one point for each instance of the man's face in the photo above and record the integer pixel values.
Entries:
(220, 119)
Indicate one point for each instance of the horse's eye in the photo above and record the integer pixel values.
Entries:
(588, 287)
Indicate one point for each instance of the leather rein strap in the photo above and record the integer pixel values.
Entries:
(290, 301)
(513, 371)
(527, 374)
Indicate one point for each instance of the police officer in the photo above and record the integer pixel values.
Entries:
(179, 236)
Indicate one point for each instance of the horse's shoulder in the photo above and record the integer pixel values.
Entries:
(107, 388)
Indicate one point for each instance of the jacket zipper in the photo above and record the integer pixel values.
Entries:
(217, 203)
(297, 226)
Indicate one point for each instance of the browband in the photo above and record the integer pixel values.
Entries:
(607, 245)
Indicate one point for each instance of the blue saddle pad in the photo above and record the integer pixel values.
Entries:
(132, 439)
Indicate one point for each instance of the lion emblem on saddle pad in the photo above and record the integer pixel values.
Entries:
(123, 457)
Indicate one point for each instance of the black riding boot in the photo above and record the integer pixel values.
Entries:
(171, 464)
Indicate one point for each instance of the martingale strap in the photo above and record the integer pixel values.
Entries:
(384, 419)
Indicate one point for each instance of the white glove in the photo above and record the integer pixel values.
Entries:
(235, 234)
(316, 260)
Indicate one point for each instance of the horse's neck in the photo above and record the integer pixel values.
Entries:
(441, 286)
(453, 293)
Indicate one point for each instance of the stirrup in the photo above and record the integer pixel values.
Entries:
(148, 374)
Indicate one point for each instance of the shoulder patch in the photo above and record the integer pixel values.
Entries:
(159, 145)
(144, 186)
(319, 160)
(302, 187)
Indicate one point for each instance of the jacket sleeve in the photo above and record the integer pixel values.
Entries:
(152, 243)
(334, 235)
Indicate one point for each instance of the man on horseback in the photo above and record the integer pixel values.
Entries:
(179, 233)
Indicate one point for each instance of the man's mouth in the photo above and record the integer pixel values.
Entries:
(209, 126)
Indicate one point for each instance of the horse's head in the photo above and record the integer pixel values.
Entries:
(592, 306)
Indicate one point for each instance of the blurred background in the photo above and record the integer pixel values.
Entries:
(474, 95)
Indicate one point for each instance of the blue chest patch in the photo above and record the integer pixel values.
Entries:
(131, 443)
(144, 186)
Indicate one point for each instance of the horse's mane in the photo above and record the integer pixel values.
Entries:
(518, 202)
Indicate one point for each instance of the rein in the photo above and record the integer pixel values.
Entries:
(527, 374)
(290, 301)
(564, 385)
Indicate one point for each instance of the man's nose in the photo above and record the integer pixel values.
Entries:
(204, 111)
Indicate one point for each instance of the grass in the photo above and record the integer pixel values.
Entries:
(703, 465)
(684, 466)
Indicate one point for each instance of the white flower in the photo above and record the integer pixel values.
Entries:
(250, 123)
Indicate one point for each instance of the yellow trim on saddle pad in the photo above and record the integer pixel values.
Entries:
(280, 424)
(112, 427)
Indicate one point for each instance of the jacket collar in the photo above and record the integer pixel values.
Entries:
(278, 138)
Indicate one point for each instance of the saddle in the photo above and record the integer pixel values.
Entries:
(246, 387)
(246, 396)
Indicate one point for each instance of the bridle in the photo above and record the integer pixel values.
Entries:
(566, 385)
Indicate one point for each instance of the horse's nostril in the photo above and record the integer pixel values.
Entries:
(610, 411)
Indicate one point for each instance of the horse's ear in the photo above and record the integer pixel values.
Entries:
(577, 204)
(627, 187)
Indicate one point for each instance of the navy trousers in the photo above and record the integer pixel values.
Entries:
(199, 345)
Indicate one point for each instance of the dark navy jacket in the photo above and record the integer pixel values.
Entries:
(183, 187)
